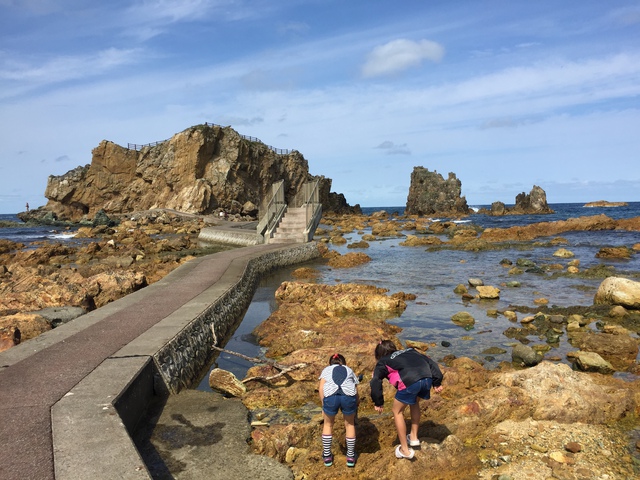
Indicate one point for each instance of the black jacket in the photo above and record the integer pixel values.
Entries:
(403, 368)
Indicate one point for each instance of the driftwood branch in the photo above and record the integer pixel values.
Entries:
(284, 369)
(279, 374)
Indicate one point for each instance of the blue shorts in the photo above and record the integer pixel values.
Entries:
(346, 403)
(422, 389)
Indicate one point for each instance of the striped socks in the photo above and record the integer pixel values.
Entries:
(351, 447)
(326, 445)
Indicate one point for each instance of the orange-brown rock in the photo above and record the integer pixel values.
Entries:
(348, 260)
(614, 252)
(415, 241)
(7, 246)
(9, 336)
(196, 171)
(619, 350)
(28, 326)
(547, 229)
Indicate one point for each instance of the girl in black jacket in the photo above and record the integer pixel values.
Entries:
(413, 374)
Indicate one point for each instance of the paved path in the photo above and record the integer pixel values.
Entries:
(38, 373)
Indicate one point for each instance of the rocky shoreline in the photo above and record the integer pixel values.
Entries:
(544, 421)
(533, 417)
(43, 285)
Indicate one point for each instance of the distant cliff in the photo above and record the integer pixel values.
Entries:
(200, 170)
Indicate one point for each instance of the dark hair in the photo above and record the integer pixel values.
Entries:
(337, 359)
(384, 348)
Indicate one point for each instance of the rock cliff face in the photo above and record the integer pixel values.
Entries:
(526, 204)
(200, 170)
(431, 194)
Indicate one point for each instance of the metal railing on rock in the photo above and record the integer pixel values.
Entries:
(279, 151)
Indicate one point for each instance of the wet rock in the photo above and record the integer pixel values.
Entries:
(525, 355)
(563, 253)
(620, 350)
(545, 229)
(488, 292)
(415, 241)
(305, 272)
(460, 289)
(349, 260)
(475, 282)
(463, 319)
(592, 362)
(614, 252)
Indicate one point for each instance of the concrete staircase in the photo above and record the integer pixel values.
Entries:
(292, 227)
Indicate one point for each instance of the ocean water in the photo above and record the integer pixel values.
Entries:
(26, 234)
(432, 276)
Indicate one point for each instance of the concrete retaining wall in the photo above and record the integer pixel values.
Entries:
(91, 424)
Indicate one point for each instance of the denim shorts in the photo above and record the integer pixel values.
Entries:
(422, 389)
(346, 403)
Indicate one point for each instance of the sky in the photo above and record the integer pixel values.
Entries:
(505, 94)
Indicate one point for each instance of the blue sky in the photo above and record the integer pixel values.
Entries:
(505, 94)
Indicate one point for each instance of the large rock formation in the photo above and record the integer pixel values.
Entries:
(535, 202)
(199, 170)
(431, 194)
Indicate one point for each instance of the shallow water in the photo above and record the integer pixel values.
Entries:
(432, 277)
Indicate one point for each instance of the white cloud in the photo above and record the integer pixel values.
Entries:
(399, 55)
(146, 19)
(65, 67)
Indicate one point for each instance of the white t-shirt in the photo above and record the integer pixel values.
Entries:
(339, 376)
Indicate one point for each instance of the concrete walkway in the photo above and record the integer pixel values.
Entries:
(38, 374)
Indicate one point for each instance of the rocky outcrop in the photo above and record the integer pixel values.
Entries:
(431, 194)
(604, 203)
(334, 202)
(201, 170)
(549, 229)
(533, 203)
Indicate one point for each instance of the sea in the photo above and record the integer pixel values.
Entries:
(432, 277)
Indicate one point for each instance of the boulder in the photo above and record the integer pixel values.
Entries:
(563, 253)
(525, 355)
(618, 349)
(226, 383)
(618, 291)
(592, 362)
(488, 292)
(463, 319)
